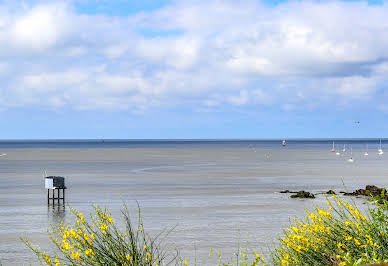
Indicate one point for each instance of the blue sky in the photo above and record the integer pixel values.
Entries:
(193, 69)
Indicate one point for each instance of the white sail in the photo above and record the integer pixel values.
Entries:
(380, 150)
(351, 155)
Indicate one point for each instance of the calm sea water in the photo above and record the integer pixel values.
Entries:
(218, 194)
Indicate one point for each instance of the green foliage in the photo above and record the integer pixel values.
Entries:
(341, 235)
(101, 242)
(338, 235)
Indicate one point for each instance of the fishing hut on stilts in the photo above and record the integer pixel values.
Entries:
(55, 183)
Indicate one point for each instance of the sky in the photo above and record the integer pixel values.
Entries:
(193, 69)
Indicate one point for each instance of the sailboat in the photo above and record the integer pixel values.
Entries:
(366, 151)
(337, 153)
(344, 149)
(333, 150)
(284, 143)
(351, 155)
(380, 150)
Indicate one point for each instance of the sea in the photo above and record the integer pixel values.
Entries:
(213, 197)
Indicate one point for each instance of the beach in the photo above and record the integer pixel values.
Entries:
(216, 194)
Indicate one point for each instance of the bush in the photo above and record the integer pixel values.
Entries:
(339, 235)
(101, 242)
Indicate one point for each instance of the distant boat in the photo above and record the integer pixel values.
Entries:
(351, 155)
(344, 149)
(337, 153)
(284, 143)
(333, 150)
(380, 150)
(366, 151)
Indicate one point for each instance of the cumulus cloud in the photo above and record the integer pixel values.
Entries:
(194, 53)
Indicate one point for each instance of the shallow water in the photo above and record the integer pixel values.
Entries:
(218, 194)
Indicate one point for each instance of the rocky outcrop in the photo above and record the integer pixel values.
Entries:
(303, 194)
(370, 190)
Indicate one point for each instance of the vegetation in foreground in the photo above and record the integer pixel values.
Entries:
(101, 242)
(338, 235)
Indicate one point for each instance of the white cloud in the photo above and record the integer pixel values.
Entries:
(39, 28)
(194, 53)
(180, 52)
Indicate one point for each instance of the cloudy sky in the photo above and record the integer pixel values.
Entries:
(193, 69)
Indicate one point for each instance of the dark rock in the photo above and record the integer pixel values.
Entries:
(303, 194)
(370, 190)
(330, 192)
(285, 191)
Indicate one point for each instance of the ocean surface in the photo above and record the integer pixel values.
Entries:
(219, 194)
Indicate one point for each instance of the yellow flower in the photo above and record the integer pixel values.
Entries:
(66, 245)
(89, 252)
(103, 227)
(92, 236)
(47, 258)
(75, 255)
(145, 246)
(128, 257)
(73, 234)
(66, 234)
(148, 255)
(86, 237)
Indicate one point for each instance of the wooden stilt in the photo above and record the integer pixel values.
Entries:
(48, 196)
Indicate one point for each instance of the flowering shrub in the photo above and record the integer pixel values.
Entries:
(101, 242)
(340, 235)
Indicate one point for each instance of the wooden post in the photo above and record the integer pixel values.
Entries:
(53, 196)
(48, 196)
(63, 196)
(58, 196)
